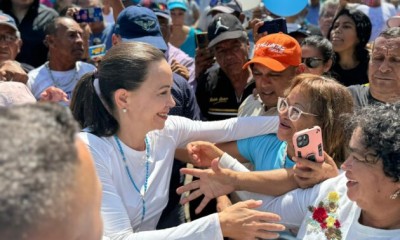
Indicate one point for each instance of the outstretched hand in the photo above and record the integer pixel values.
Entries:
(240, 221)
(308, 173)
(53, 94)
(203, 153)
(212, 183)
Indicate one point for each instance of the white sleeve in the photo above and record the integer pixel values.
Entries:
(186, 130)
(117, 225)
(227, 161)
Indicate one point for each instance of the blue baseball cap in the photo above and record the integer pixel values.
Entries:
(140, 24)
(172, 4)
(6, 19)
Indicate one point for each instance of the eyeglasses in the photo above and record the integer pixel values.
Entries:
(312, 62)
(294, 113)
(8, 38)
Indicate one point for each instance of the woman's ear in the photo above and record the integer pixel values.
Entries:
(120, 98)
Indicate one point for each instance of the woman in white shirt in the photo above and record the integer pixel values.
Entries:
(124, 110)
(363, 202)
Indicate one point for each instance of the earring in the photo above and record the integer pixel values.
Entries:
(124, 110)
(395, 195)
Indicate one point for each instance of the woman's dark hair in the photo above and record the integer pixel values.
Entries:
(363, 30)
(323, 45)
(125, 66)
(380, 128)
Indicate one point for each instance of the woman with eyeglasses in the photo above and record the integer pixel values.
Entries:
(317, 55)
(349, 35)
(310, 100)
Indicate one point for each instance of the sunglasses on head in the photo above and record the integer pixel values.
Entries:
(214, 3)
(312, 62)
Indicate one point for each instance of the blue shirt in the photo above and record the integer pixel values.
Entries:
(265, 152)
(189, 45)
(105, 36)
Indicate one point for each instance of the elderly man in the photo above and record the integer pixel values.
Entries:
(63, 70)
(48, 185)
(10, 46)
(31, 18)
(221, 90)
(383, 71)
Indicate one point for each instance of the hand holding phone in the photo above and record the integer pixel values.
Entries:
(308, 144)
(89, 15)
(273, 26)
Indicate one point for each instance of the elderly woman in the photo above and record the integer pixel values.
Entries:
(363, 202)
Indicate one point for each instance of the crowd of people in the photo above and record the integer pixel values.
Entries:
(108, 106)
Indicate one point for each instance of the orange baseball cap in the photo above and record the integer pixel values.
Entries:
(277, 52)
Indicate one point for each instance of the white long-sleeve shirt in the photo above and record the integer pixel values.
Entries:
(293, 208)
(122, 204)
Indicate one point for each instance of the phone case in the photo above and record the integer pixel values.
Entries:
(89, 15)
(274, 26)
(201, 40)
(308, 144)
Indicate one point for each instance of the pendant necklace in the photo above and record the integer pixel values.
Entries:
(54, 80)
(142, 195)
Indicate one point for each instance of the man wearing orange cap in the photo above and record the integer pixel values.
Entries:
(277, 59)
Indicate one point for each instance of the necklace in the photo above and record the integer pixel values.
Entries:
(146, 140)
(54, 81)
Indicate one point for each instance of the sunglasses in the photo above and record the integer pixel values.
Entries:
(312, 62)
(214, 3)
(294, 113)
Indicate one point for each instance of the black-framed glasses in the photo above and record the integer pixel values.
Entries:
(312, 62)
(294, 113)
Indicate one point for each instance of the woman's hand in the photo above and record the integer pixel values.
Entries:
(202, 153)
(178, 68)
(308, 173)
(223, 202)
(240, 221)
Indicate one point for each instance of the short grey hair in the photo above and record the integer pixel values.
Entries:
(38, 162)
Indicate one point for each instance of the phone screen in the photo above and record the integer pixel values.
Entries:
(89, 15)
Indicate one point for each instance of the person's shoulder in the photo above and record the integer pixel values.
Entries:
(36, 71)
(43, 9)
(85, 66)
(93, 141)
(358, 89)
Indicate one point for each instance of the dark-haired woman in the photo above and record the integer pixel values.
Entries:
(317, 55)
(124, 108)
(349, 35)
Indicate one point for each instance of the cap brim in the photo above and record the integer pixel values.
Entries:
(393, 21)
(226, 36)
(163, 15)
(10, 25)
(222, 9)
(270, 63)
(155, 41)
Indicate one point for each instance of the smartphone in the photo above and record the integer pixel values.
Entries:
(274, 26)
(308, 144)
(88, 15)
(202, 40)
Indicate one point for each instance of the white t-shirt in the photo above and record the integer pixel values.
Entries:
(294, 212)
(122, 204)
(40, 78)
